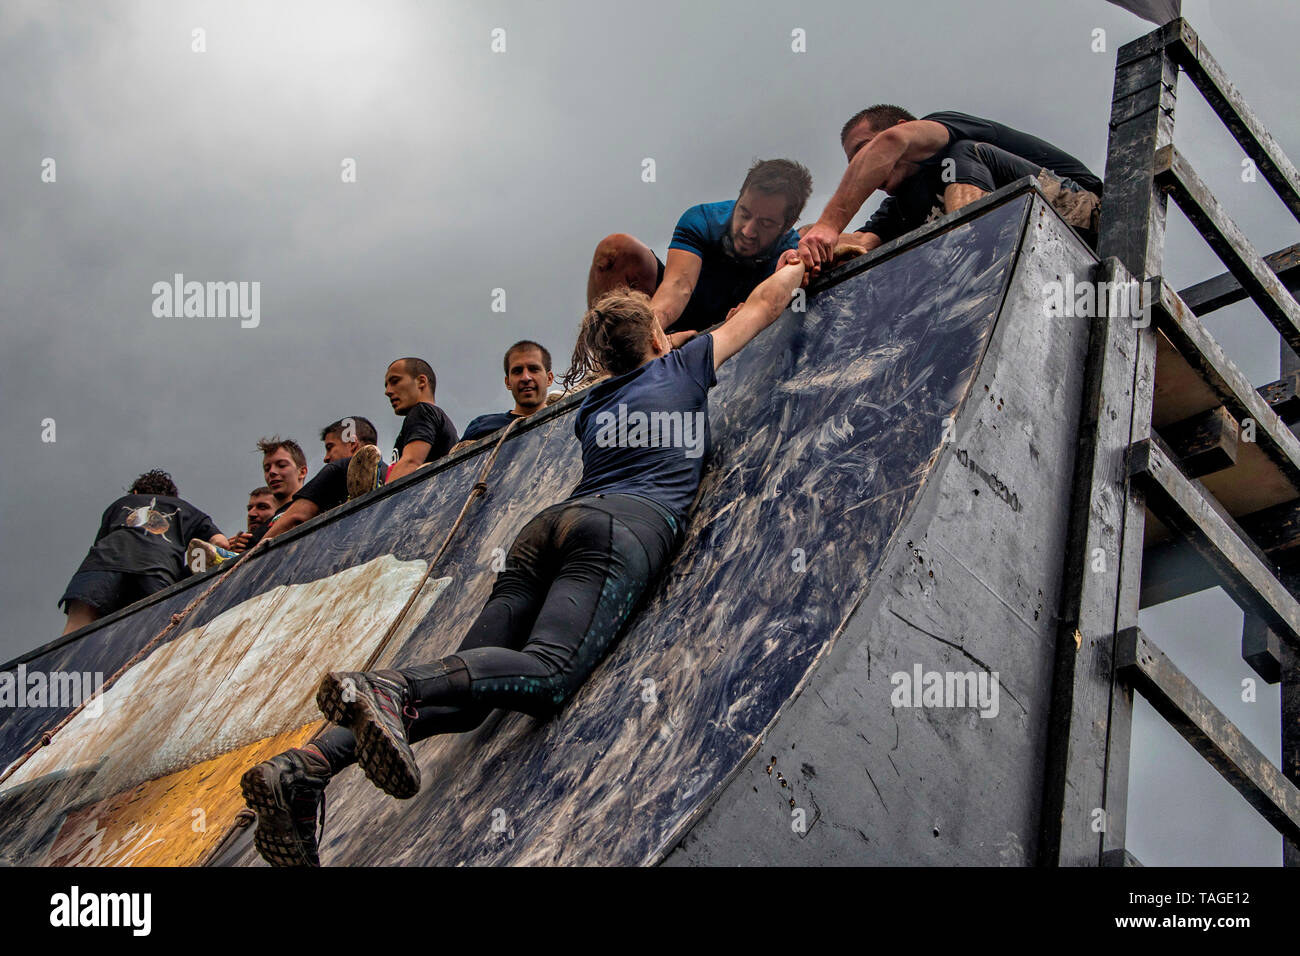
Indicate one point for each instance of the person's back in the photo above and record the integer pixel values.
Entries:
(646, 432)
(139, 549)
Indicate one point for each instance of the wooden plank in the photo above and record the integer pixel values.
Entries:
(1230, 386)
(1119, 857)
(1204, 443)
(1172, 568)
(1261, 648)
(1223, 290)
(1185, 507)
(1290, 662)
(1216, 738)
(171, 821)
(1088, 732)
(1283, 396)
(1174, 173)
(1241, 121)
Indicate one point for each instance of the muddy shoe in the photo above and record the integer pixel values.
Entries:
(204, 555)
(365, 471)
(376, 706)
(287, 793)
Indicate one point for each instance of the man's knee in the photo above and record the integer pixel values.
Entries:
(623, 260)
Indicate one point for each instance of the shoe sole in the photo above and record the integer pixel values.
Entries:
(336, 698)
(386, 761)
(276, 837)
(363, 472)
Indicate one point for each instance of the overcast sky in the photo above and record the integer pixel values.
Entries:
(476, 171)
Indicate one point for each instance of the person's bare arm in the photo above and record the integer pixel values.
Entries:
(768, 300)
(299, 511)
(681, 272)
(220, 541)
(868, 171)
(413, 456)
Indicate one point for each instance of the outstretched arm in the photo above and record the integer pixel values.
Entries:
(870, 169)
(301, 510)
(760, 310)
(681, 272)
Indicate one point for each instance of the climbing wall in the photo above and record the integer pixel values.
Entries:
(866, 490)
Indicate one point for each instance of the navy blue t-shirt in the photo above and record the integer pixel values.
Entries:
(725, 281)
(487, 424)
(647, 432)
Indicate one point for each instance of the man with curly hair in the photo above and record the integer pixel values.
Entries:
(139, 549)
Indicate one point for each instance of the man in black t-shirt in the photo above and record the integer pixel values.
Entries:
(139, 549)
(427, 433)
(528, 377)
(936, 165)
(329, 487)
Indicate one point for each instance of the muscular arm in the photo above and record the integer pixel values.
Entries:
(913, 142)
(301, 510)
(413, 456)
(681, 272)
(760, 310)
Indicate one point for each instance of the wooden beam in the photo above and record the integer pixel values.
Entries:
(1223, 290)
(1233, 389)
(1188, 510)
(1283, 396)
(1241, 121)
(1174, 173)
(1119, 857)
(1204, 443)
(1216, 738)
(1173, 569)
(1261, 648)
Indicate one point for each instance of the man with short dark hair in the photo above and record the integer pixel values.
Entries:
(939, 164)
(261, 508)
(138, 550)
(344, 437)
(427, 433)
(528, 378)
(719, 251)
(349, 450)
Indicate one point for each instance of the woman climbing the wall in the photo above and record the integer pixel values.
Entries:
(572, 578)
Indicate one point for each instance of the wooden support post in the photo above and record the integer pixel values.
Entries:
(1091, 712)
